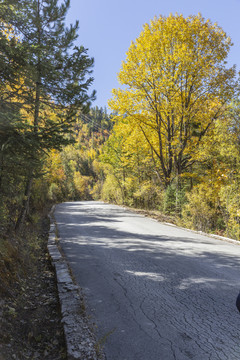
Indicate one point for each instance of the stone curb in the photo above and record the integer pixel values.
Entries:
(80, 341)
(219, 237)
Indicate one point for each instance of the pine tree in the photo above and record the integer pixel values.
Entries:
(53, 73)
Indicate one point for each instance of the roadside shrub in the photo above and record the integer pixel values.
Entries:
(111, 190)
(230, 201)
(148, 195)
(201, 212)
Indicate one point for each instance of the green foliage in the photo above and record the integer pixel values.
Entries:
(45, 79)
(99, 120)
(169, 202)
(55, 193)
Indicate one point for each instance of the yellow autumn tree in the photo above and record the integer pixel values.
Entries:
(213, 204)
(176, 85)
(129, 168)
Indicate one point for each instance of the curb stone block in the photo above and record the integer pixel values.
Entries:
(80, 341)
(54, 252)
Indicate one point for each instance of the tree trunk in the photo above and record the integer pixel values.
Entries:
(25, 206)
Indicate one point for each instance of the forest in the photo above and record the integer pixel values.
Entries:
(175, 143)
(170, 142)
(168, 145)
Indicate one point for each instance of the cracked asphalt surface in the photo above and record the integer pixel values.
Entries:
(156, 292)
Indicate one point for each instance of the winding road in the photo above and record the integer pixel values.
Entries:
(155, 291)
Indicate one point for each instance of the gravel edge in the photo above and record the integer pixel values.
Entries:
(219, 237)
(80, 340)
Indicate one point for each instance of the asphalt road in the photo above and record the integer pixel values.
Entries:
(156, 292)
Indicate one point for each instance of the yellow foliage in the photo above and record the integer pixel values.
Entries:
(54, 168)
(111, 191)
(176, 86)
(230, 198)
(82, 185)
(200, 212)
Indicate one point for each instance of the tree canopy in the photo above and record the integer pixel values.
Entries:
(176, 85)
(45, 80)
(174, 145)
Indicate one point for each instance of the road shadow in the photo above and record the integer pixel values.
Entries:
(191, 281)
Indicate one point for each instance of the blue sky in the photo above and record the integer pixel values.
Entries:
(107, 28)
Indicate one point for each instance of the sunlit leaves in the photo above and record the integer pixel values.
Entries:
(176, 85)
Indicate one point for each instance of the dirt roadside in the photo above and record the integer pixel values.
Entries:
(30, 317)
